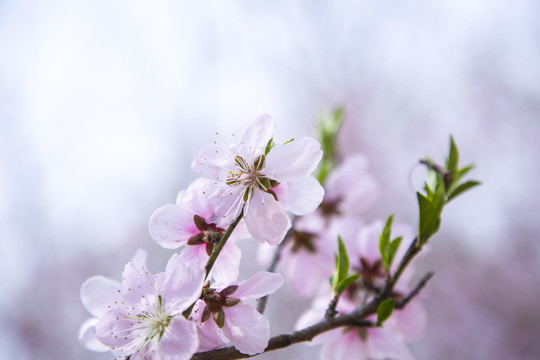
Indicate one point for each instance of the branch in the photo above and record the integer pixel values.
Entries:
(402, 303)
(217, 249)
(445, 174)
(354, 318)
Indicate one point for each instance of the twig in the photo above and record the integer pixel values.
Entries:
(331, 311)
(354, 318)
(402, 303)
(215, 253)
(445, 174)
(217, 249)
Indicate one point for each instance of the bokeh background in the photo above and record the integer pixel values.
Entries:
(102, 104)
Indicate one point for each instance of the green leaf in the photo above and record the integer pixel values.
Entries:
(384, 241)
(462, 188)
(429, 219)
(269, 146)
(453, 157)
(394, 246)
(342, 286)
(342, 266)
(288, 141)
(385, 310)
(462, 172)
(328, 128)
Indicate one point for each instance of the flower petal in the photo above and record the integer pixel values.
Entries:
(87, 336)
(293, 161)
(345, 345)
(183, 287)
(255, 138)
(300, 197)
(246, 328)
(383, 344)
(259, 285)
(266, 220)
(116, 331)
(179, 340)
(137, 283)
(98, 293)
(171, 226)
(227, 265)
(213, 162)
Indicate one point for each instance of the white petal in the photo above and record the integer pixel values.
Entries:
(98, 293)
(246, 328)
(259, 285)
(179, 340)
(194, 254)
(300, 197)
(116, 331)
(183, 287)
(293, 161)
(227, 265)
(171, 226)
(255, 138)
(266, 220)
(87, 336)
(137, 283)
(214, 162)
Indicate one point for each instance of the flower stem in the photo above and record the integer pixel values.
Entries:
(219, 246)
(215, 253)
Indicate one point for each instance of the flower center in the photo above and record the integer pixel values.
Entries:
(248, 175)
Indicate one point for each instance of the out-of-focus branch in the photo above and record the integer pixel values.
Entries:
(355, 318)
(403, 302)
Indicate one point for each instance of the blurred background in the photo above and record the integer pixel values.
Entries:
(102, 104)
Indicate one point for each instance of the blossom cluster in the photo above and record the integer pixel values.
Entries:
(173, 314)
(254, 188)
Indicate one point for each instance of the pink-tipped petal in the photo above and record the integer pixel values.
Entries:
(87, 336)
(266, 220)
(171, 226)
(246, 328)
(294, 160)
(259, 285)
(179, 340)
(98, 293)
(300, 197)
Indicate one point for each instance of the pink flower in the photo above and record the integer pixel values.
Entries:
(388, 342)
(142, 318)
(225, 316)
(350, 189)
(264, 185)
(193, 222)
